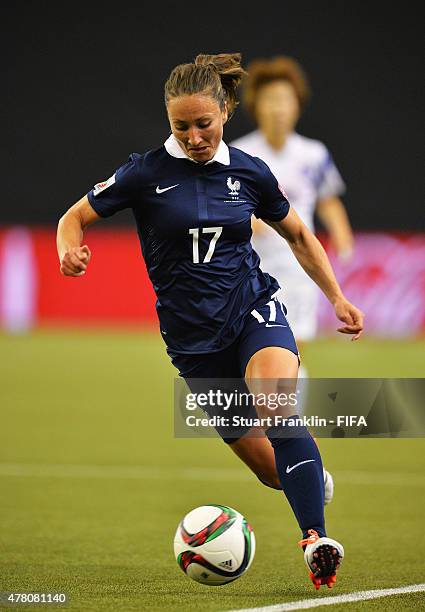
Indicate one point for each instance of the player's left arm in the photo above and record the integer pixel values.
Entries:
(312, 257)
(332, 214)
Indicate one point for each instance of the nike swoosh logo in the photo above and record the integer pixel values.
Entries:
(277, 325)
(158, 190)
(289, 469)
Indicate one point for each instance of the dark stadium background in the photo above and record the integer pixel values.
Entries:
(82, 88)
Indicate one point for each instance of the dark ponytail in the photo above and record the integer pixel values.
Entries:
(216, 75)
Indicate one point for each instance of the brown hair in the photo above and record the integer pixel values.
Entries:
(217, 75)
(280, 68)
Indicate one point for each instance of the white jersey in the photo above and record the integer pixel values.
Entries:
(306, 171)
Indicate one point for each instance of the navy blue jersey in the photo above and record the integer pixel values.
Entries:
(194, 225)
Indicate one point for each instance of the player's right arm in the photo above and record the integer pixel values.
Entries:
(73, 256)
(120, 191)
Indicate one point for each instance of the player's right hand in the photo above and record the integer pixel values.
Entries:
(75, 261)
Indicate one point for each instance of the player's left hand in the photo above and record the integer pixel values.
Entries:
(351, 316)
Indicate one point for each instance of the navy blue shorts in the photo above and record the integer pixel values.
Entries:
(264, 326)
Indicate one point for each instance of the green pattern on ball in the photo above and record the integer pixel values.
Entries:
(225, 526)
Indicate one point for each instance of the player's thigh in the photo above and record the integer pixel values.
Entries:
(255, 450)
(272, 362)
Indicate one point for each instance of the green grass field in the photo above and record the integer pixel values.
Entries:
(93, 483)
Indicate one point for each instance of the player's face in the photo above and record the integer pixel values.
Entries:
(277, 107)
(197, 122)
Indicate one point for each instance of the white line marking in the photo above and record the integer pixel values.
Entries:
(306, 604)
(147, 472)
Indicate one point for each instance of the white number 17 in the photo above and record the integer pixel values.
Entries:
(205, 230)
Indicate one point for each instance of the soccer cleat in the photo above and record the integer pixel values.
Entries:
(323, 557)
(329, 486)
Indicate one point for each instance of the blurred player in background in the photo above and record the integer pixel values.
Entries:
(275, 94)
(193, 199)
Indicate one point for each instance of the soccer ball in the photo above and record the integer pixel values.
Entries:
(214, 544)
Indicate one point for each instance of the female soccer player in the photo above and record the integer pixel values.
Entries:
(192, 200)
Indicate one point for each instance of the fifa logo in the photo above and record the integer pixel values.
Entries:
(234, 187)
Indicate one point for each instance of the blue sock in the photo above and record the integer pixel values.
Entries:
(300, 470)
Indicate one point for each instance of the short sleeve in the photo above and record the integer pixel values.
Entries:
(329, 180)
(120, 191)
(273, 205)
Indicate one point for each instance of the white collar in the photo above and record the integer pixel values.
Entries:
(222, 155)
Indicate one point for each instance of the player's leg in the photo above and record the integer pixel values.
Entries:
(299, 465)
(268, 357)
(267, 354)
(257, 453)
(297, 457)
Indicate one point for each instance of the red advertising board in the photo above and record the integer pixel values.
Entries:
(385, 278)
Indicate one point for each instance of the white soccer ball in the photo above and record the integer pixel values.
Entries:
(214, 544)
